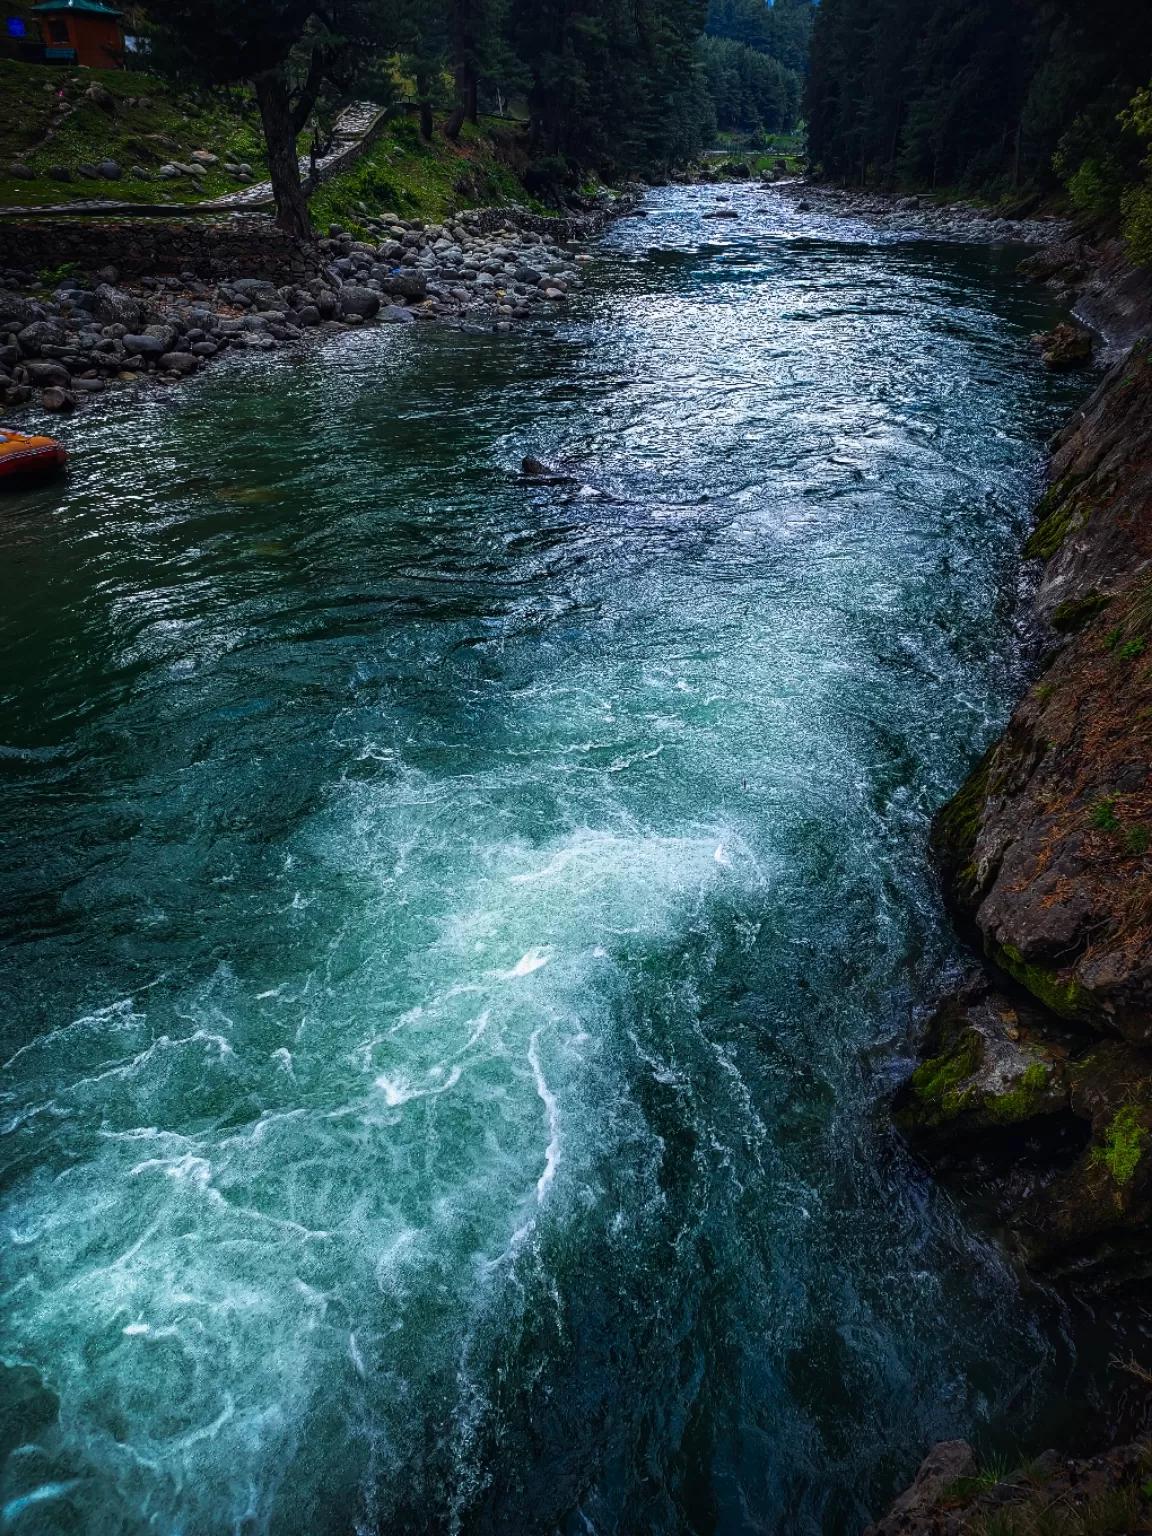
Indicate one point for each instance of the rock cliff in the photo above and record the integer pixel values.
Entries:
(1040, 1078)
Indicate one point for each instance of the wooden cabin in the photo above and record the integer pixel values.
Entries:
(81, 32)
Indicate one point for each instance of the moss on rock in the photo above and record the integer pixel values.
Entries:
(941, 1085)
(1124, 1142)
(1078, 612)
(1066, 998)
(1057, 512)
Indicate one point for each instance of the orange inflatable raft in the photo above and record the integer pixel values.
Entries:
(22, 457)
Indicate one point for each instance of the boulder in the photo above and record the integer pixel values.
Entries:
(57, 399)
(309, 315)
(40, 334)
(114, 307)
(144, 345)
(179, 362)
(45, 374)
(944, 1465)
(358, 301)
(100, 96)
(204, 157)
(59, 173)
(21, 171)
(88, 171)
(254, 287)
(407, 283)
(204, 348)
(394, 314)
(1067, 347)
(110, 170)
(17, 312)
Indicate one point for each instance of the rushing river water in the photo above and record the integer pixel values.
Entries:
(460, 932)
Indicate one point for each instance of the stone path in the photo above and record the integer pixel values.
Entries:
(355, 130)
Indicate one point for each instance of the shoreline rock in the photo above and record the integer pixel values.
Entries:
(952, 1495)
(488, 267)
(963, 222)
(1045, 856)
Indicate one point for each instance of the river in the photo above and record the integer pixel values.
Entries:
(459, 932)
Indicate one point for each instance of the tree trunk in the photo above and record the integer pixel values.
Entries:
(424, 94)
(472, 97)
(274, 101)
(463, 52)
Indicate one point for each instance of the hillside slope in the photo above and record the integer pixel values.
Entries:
(71, 135)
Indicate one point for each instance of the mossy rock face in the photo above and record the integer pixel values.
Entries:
(1058, 512)
(982, 1072)
(955, 829)
(1078, 612)
(1094, 1222)
(1057, 990)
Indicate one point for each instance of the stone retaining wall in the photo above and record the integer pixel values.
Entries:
(576, 227)
(214, 248)
(247, 247)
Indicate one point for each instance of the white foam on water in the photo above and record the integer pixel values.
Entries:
(528, 963)
(548, 1099)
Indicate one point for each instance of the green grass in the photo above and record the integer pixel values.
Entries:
(401, 173)
(416, 178)
(227, 125)
(1102, 815)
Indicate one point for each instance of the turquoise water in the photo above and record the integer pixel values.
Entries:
(460, 933)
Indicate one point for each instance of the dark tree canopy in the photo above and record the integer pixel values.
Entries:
(611, 86)
(973, 94)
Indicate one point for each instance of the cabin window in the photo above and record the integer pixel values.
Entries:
(57, 31)
(15, 27)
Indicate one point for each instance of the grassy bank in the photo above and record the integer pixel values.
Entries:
(417, 178)
(151, 122)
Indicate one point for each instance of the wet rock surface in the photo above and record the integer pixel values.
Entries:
(1046, 1129)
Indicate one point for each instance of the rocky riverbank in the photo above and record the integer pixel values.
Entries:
(923, 217)
(1033, 1095)
(493, 267)
(1037, 1078)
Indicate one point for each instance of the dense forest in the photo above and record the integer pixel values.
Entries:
(611, 86)
(755, 57)
(998, 96)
